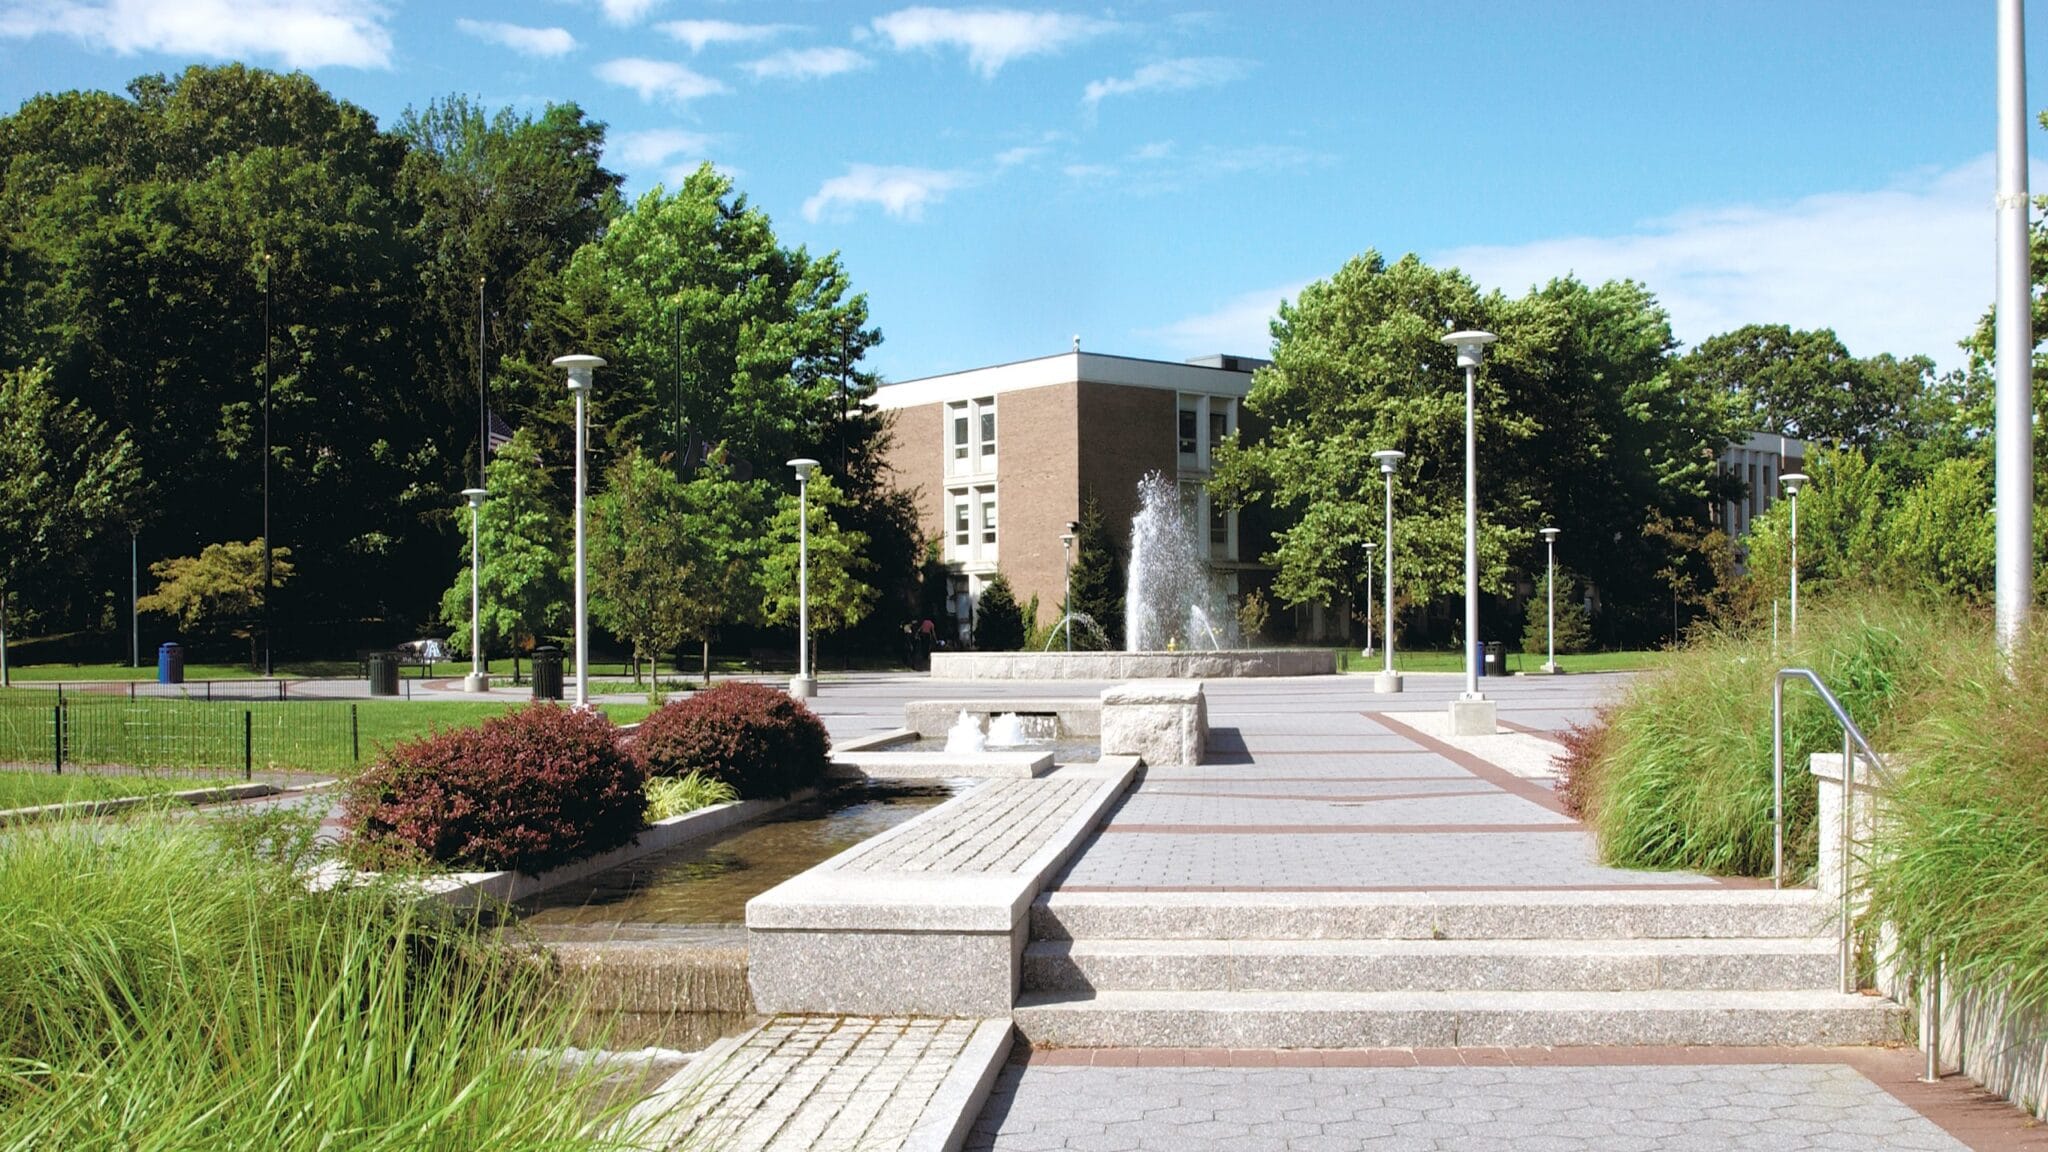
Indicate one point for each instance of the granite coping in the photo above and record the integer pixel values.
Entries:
(1077, 715)
(884, 765)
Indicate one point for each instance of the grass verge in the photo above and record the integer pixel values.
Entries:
(163, 986)
(23, 789)
(1352, 660)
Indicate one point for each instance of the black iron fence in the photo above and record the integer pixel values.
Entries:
(59, 732)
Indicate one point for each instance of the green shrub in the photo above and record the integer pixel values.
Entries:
(1683, 778)
(999, 624)
(1961, 864)
(755, 738)
(162, 987)
(674, 795)
(1574, 632)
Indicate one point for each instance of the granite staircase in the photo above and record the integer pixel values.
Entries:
(1440, 969)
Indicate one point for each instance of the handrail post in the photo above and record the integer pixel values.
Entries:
(1778, 780)
(1848, 871)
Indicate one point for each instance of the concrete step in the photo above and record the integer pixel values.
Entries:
(1395, 965)
(1453, 1019)
(1497, 914)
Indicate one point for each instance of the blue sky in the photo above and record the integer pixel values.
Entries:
(1154, 176)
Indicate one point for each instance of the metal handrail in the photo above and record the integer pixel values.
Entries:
(1852, 741)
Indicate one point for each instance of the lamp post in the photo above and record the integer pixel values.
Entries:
(1550, 588)
(1793, 482)
(1371, 546)
(2013, 340)
(1472, 713)
(803, 684)
(581, 369)
(1388, 680)
(1067, 564)
(477, 680)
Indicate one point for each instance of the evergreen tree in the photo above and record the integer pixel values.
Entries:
(998, 619)
(1098, 578)
(1574, 634)
(523, 542)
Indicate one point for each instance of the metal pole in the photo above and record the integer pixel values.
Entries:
(1067, 562)
(134, 595)
(248, 745)
(803, 577)
(267, 584)
(1368, 600)
(2013, 425)
(1795, 563)
(1550, 578)
(476, 597)
(1777, 781)
(1388, 591)
(1848, 824)
(1471, 539)
(355, 736)
(582, 603)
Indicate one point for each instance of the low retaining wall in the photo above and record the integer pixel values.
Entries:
(1159, 721)
(1134, 665)
(1075, 716)
(1981, 1034)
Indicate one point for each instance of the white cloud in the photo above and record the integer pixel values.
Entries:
(656, 145)
(1241, 325)
(1156, 150)
(652, 78)
(806, 63)
(526, 41)
(1089, 173)
(297, 33)
(1905, 269)
(1168, 76)
(700, 33)
(899, 192)
(624, 12)
(1022, 154)
(991, 37)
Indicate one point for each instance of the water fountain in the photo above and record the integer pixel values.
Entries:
(1006, 730)
(965, 736)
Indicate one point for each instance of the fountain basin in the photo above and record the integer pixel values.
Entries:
(1116, 666)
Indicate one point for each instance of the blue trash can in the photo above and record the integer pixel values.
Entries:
(170, 663)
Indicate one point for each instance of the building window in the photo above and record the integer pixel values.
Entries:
(1219, 429)
(988, 516)
(1219, 526)
(960, 524)
(959, 432)
(988, 429)
(1187, 431)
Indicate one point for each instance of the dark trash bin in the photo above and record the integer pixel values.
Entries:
(170, 663)
(547, 673)
(1495, 663)
(384, 673)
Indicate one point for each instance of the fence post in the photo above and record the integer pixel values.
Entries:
(57, 735)
(248, 743)
(355, 737)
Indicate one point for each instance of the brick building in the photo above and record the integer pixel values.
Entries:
(1000, 459)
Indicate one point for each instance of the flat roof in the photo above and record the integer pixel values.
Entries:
(1067, 368)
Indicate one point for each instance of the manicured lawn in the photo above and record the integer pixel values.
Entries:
(23, 789)
(1351, 661)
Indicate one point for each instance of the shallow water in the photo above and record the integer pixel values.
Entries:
(1073, 750)
(710, 881)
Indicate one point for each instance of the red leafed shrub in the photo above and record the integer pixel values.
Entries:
(755, 738)
(1578, 768)
(530, 790)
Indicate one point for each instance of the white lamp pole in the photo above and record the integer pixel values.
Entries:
(803, 684)
(1471, 345)
(477, 681)
(2013, 340)
(1793, 481)
(1371, 546)
(1067, 563)
(1550, 586)
(580, 369)
(1388, 680)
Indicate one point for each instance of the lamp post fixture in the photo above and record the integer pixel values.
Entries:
(1388, 680)
(1067, 563)
(1550, 588)
(581, 369)
(803, 685)
(1793, 482)
(2013, 341)
(477, 680)
(1472, 713)
(1371, 546)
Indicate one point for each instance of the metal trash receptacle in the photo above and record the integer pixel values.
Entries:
(170, 663)
(547, 673)
(384, 673)
(1496, 661)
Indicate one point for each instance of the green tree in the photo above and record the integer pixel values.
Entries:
(1806, 384)
(523, 540)
(1098, 577)
(839, 597)
(1940, 535)
(1842, 534)
(64, 480)
(1574, 634)
(639, 557)
(222, 587)
(998, 619)
(720, 584)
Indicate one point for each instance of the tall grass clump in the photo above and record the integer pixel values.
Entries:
(163, 987)
(1682, 776)
(1960, 867)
